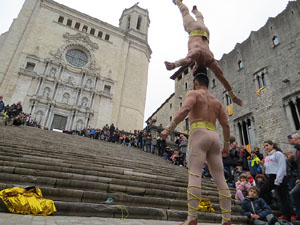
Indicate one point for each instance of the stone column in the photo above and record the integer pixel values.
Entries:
(41, 79)
(47, 115)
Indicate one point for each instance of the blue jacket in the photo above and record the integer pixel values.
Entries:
(254, 166)
(256, 206)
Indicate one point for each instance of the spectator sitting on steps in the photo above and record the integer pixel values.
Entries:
(257, 210)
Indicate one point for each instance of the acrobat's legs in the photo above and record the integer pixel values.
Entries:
(198, 14)
(188, 20)
(216, 169)
(194, 187)
(179, 63)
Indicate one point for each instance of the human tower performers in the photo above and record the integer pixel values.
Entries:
(203, 110)
(198, 48)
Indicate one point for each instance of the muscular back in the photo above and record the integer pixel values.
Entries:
(206, 108)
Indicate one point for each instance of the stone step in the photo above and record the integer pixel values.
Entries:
(112, 163)
(68, 190)
(54, 171)
(83, 172)
(130, 212)
(79, 174)
(100, 168)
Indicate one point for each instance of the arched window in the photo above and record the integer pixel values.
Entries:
(128, 22)
(100, 33)
(293, 107)
(92, 32)
(107, 37)
(66, 98)
(263, 79)
(139, 22)
(77, 26)
(69, 23)
(275, 41)
(240, 64)
(46, 92)
(213, 83)
(61, 19)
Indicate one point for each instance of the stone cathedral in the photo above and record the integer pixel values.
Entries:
(71, 70)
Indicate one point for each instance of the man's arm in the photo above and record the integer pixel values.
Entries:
(188, 104)
(214, 66)
(223, 119)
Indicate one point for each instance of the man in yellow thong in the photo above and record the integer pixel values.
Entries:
(203, 109)
(198, 48)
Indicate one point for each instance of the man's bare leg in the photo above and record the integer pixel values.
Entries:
(217, 171)
(188, 20)
(214, 66)
(179, 63)
(198, 14)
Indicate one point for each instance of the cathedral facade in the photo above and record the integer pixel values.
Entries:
(264, 71)
(72, 71)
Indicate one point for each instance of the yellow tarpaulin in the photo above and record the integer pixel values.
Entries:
(205, 205)
(22, 201)
(230, 109)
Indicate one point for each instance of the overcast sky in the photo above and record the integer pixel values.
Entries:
(230, 22)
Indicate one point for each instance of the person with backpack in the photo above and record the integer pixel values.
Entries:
(254, 164)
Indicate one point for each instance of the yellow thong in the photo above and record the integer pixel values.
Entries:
(199, 33)
(203, 124)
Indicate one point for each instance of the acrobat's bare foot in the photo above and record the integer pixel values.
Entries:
(189, 222)
(237, 101)
(169, 65)
(194, 10)
(227, 223)
(177, 2)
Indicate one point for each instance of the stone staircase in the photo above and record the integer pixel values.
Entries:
(79, 174)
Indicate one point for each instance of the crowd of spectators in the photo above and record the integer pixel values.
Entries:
(273, 180)
(14, 115)
(142, 139)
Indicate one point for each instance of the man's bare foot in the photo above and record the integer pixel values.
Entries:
(227, 223)
(169, 65)
(237, 101)
(189, 222)
(175, 1)
(194, 10)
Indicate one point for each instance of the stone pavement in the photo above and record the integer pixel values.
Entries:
(16, 219)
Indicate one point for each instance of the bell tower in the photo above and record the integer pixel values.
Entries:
(135, 21)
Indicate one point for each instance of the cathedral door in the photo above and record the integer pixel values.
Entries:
(59, 122)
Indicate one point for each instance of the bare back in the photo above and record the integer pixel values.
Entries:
(206, 108)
